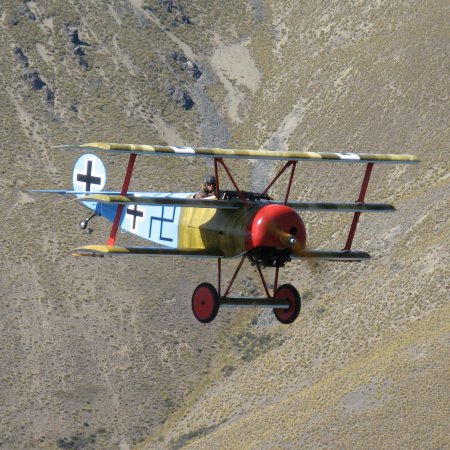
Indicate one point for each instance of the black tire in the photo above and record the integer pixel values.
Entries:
(205, 302)
(287, 316)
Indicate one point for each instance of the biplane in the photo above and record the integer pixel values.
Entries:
(248, 226)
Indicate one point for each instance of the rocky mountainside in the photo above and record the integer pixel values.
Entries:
(92, 351)
(105, 353)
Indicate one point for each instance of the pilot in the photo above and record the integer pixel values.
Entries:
(208, 191)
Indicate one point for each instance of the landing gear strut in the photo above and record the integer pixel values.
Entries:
(285, 301)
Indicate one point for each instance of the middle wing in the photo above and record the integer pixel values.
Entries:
(136, 199)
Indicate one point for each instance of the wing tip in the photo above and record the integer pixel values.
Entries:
(88, 146)
(96, 250)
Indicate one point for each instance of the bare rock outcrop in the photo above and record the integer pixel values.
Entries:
(176, 11)
(181, 97)
(75, 39)
(20, 56)
(186, 64)
(25, 11)
(34, 78)
(77, 49)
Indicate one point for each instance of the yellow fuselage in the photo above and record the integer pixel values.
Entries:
(214, 229)
(233, 232)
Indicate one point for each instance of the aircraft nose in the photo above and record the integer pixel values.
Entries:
(276, 226)
(289, 239)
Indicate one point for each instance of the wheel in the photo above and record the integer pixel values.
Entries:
(205, 302)
(288, 292)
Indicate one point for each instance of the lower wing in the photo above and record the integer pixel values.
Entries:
(102, 250)
(333, 255)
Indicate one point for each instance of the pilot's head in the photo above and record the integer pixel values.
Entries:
(209, 184)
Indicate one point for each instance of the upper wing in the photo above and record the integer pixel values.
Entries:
(243, 153)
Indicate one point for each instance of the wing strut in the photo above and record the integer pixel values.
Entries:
(126, 183)
(362, 195)
(216, 173)
(282, 170)
(288, 190)
(219, 274)
(220, 161)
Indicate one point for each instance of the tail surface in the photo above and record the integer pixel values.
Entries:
(89, 174)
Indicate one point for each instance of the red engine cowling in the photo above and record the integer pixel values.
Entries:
(275, 226)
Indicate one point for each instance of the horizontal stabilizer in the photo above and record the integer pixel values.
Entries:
(333, 255)
(242, 153)
(102, 250)
(161, 201)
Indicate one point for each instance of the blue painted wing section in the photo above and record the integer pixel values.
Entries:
(155, 223)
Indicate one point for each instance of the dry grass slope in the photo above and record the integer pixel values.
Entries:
(378, 400)
(370, 345)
